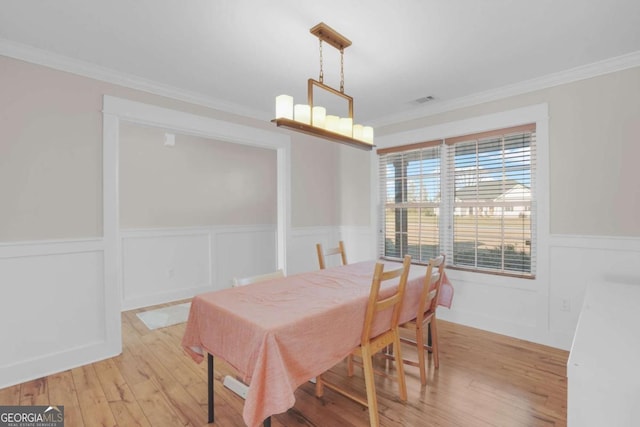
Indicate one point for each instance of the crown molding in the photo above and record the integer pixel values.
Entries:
(595, 69)
(85, 69)
(63, 63)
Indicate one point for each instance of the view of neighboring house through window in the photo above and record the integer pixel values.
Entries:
(470, 197)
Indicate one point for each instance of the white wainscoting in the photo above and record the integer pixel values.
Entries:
(512, 306)
(55, 308)
(544, 310)
(163, 265)
(58, 313)
(579, 261)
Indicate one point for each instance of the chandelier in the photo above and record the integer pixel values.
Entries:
(313, 119)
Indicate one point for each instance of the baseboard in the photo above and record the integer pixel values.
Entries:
(49, 364)
(162, 298)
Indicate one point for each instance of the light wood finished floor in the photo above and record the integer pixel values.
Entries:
(484, 379)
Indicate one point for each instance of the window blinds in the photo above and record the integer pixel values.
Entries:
(410, 198)
(490, 188)
(472, 197)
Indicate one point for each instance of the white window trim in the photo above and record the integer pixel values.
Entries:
(538, 114)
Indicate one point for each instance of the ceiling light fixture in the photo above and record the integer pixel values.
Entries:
(313, 119)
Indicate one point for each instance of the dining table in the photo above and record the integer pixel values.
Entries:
(280, 333)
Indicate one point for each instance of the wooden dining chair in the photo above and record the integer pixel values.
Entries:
(333, 251)
(234, 384)
(425, 320)
(370, 345)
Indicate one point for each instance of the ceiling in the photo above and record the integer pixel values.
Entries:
(240, 54)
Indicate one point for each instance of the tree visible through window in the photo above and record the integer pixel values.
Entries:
(470, 197)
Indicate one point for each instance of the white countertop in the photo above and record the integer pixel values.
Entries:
(604, 364)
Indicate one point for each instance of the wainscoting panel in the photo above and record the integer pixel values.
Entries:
(510, 306)
(361, 243)
(164, 265)
(578, 261)
(499, 304)
(52, 308)
(243, 252)
(302, 255)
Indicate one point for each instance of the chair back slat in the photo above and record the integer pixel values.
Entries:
(394, 301)
(340, 249)
(431, 287)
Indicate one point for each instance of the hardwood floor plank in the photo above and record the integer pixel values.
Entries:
(10, 396)
(183, 404)
(155, 405)
(128, 414)
(62, 392)
(34, 392)
(113, 383)
(93, 402)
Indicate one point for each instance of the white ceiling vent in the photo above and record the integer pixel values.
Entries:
(424, 99)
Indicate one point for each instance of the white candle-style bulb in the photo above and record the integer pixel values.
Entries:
(319, 116)
(332, 123)
(346, 126)
(357, 132)
(302, 113)
(367, 134)
(284, 107)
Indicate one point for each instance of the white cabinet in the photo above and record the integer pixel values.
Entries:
(604, 364)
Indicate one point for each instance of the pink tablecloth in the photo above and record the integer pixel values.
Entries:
(280, 333)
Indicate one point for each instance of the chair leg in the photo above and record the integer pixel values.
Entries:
(319, 386)
(421, 356)
(350, 365)
(372, 402)
(402, 383)
(434, 341)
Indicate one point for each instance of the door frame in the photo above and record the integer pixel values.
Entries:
(114, 111)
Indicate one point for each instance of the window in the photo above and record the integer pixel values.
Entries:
(411, 194)
(470, 197)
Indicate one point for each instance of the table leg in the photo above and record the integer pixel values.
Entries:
(267, 421)
(210, 385)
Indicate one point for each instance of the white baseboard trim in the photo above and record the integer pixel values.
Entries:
(49, 364)
(163, 298)
(486, 323)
